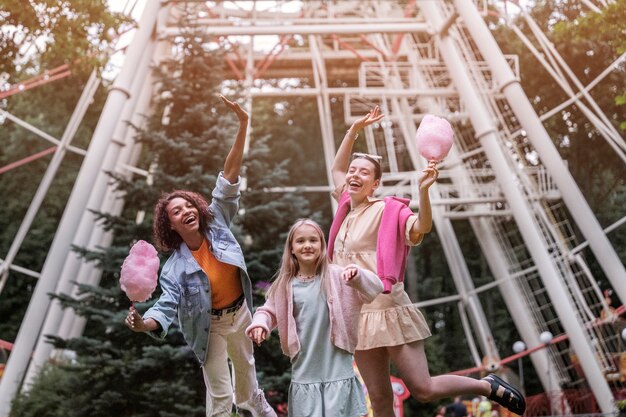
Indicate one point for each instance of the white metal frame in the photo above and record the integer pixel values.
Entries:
(408, 79)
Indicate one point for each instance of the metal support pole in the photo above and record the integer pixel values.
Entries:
(70, 130)
(510, 291)
(60, 248)
(445, 230)
(323, 108)
(72, 326)
(460, 272)
(87, 225)
(486, 132)
(306, 29)
(577, 205)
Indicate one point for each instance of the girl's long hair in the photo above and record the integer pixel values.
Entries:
(289, 264)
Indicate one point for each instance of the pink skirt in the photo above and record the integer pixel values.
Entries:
(391, 320)
(391, 327)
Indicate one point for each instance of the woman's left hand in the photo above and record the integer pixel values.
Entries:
(236, 108)
(428, 176)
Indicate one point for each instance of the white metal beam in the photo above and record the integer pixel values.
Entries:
(327, 29)
(323, 109)
(370, 92)
(99, 199)
(486, 133)
(608, 259)
(54, 165)
(60, 248)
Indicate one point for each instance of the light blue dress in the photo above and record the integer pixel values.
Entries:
(323, 382)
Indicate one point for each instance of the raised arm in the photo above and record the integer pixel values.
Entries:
(232, 165)
(342, 158)
(424, 221)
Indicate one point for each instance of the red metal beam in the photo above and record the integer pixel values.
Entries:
(41, 79)
(26, 160)
(349, 48)
(616, 313)
(395, 47)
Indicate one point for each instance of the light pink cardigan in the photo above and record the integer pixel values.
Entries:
(344, 305)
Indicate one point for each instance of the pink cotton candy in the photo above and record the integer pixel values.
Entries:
(434, 138)
(138, 277)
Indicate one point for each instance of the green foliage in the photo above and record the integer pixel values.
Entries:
(124, 373)
(596, 30)
(43, 34)
(116, 372)
(282, 153)
(113, 373)
(47, 108)
(589, 43)
(601, 37)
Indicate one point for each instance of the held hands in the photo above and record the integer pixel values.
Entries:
(134, 321)
(349, 272)
(257, 335)
(372, 117)
(236, 108)
(428, 176)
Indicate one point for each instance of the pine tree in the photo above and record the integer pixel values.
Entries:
(47, 107)
(278, 157)
(123, 373)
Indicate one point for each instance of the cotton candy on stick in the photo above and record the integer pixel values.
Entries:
(434, 138)
(138, 277)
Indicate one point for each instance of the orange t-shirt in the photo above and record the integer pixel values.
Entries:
(224, 278)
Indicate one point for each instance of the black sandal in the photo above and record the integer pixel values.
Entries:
(506, 395)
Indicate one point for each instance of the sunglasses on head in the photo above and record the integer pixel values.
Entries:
(374, 158)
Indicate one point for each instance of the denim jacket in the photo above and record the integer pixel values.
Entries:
(186, 292)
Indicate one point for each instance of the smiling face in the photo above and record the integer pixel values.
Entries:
(306, 245)
(361, 179)
(183, 217)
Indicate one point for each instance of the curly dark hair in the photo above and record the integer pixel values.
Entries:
(165, 238)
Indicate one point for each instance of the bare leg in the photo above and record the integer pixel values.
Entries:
(410, 359)
(374, 368)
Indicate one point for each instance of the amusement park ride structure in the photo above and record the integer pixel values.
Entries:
(504, 175)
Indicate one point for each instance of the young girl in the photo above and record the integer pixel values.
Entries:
(316, 306)
(376, 235)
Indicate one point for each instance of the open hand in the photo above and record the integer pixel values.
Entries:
(257, 335)
(236, 108)
(372, 117)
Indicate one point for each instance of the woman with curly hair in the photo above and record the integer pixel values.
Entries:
(205, 285)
